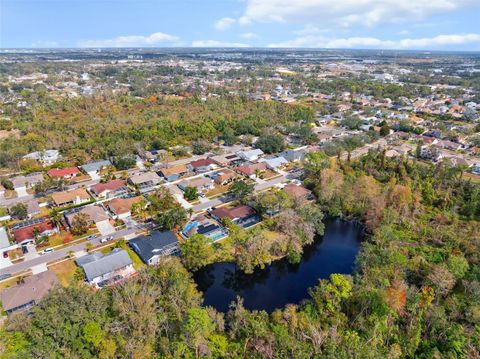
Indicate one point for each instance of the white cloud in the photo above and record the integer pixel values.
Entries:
(321, 41)
(154, 39)
(249, 35)
(347, 12)
(224, 23)
(215, 43)
(45, 44)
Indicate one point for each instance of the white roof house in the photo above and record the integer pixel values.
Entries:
(47, 157)
(4, 242)
(251, 155)
(274, 163)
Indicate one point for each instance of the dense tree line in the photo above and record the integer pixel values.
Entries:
(92, 128)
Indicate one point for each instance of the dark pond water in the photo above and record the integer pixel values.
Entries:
(283, 283)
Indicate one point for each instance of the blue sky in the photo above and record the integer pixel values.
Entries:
(389, 24)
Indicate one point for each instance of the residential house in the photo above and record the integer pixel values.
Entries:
(251, 169)
(33, 208)
(200, 183)
(297, 192)
(122, 207)
(63, 173)
(225, 176)
(294, 155)
(173, 173)
(226, 160)
(145, 181)
(251, 155)
(244, 216)
(201, 166)
(449, 145)
(27, 231)
(106, 269)
(72, 197)
(206, 227)
(4, 242)
(93, 168)
(111, 189)
(23, 296)
(431, 153)
(275, 163)
(94, 214)
(476, 169)
(47, 158)
(22, 183)
(152, 247)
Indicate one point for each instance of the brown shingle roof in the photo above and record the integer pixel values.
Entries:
(123, 205)
(68, 196)
(177, 169)
(32, 289)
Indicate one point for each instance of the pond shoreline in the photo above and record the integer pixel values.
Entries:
(280, 282)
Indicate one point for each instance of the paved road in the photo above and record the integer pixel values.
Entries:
(61, 253)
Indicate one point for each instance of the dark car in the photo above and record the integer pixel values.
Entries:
(5, 276)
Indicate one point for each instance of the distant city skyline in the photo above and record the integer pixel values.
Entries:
(366, 24)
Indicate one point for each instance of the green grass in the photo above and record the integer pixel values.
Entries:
(137, 262)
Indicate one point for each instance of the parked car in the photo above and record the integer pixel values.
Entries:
(24, 249)
(47, 250)
(5, 276)
(93, 236)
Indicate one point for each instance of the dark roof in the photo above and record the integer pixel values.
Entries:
(149, 246)
(239, 212)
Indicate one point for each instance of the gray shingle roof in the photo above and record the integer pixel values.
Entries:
(148, 246)
(96, 166)
(97, 264)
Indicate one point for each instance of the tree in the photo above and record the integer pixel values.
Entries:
(56, 217)
(80, 224)
(171, 218)
(200, 147)
(191, 193)
(197, 251)
(19, 211)
(229, 137)
(270, 143)
(5, 182)
(240, 190)
(384, 129)
(198, 327)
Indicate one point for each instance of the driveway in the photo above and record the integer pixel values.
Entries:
(105, 228)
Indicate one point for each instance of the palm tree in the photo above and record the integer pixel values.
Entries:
(56, 217)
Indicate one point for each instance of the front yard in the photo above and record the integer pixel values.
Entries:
(217, 190)
(64, 271)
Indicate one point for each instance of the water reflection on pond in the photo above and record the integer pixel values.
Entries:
(282, 283)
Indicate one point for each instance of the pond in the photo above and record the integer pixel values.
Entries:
(282, 283)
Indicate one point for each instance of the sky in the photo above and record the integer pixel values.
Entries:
(358, 24)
